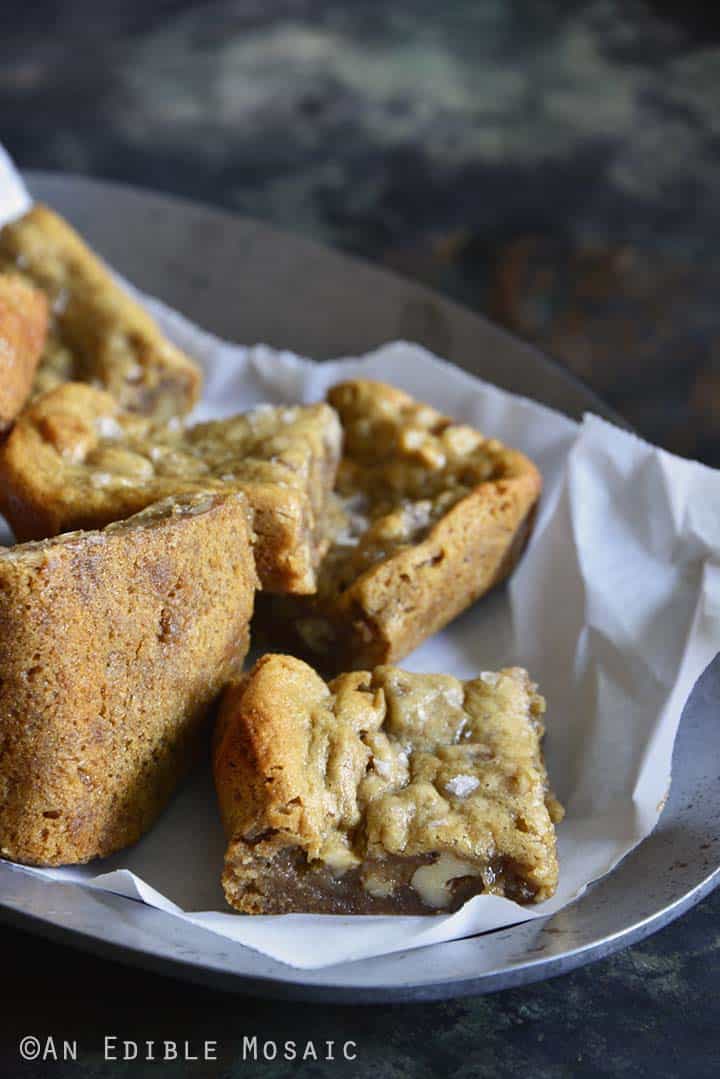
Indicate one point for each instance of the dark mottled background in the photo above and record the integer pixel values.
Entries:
(556, 165)
(553, 164)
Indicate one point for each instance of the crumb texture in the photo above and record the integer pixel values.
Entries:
(383, 791)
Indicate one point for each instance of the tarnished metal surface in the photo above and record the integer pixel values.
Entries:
(250, 283)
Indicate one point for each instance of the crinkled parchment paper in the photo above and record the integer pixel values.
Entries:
(615, 610)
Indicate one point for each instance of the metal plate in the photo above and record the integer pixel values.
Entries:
(249, 283)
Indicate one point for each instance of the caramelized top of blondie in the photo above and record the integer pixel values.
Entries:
(85, 443)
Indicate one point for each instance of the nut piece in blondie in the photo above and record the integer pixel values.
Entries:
(75, 459)
(98, 332)
(113, 647)
(382, 792)
(23, 328)
(430, 515)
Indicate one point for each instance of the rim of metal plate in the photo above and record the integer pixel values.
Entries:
(246, 281)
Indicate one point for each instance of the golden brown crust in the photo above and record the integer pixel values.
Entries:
(357, 796)
(23, 328)
(75, 460)
(113, 646)
(260, 736)
(98, 332)
(395, 584)
(394, 607)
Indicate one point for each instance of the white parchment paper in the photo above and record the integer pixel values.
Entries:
(615, 610)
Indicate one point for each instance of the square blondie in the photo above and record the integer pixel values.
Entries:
(382, 792)
(75, 459)
(98, 332)
(23, 329)
(429, 515)
(113, 647)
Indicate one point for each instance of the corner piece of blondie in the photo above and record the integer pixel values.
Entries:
(113, 647)
(429, 516)
(23, 330)
(74, 459)
(98, 332)
(382, 792)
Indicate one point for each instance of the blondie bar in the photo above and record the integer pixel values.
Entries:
(382, 792)
(113, 646)
(75, 460)
(98, 333)
(23, 329)
(429, 516)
